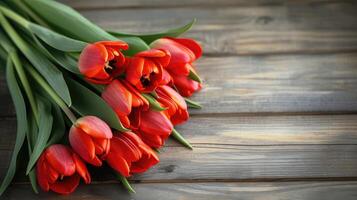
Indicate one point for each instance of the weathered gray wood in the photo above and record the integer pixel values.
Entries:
(300, 28)
(271, 130)
(250, 148)
(109, 4)
(202, 191)
(284, 83)
(291, 83)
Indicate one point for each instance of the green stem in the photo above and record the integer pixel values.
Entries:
(125, 182)
(52, 94)
(181, 139)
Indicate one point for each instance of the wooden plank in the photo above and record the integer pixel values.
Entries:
(276, 83)
(271, 130)
(233, 148)
(302, 28)
(202, 191)
(293, 83)
(109, 4)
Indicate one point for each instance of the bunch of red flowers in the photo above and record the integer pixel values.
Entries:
(163, 72)
(84, 96)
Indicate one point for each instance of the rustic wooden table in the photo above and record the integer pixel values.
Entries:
(280, 102)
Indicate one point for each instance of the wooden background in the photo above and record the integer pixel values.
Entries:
(280, 102)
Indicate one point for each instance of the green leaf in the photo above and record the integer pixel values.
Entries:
(31, 135)
(175, 134)
(194, 76)
(44, 132)
(68, 20)
(65, 61)
(86, 102)
(56, 40)
(33, 180)
(59, 128)
(192, 104)
(49, 71)
(136, 45)
(148, 38)
(61, 58)
(20, 109)
(3, 54)
(153, 103)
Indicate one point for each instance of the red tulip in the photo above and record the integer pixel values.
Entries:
(129, 154)
(177, 107)
(185, 85)
(153, 127)
(183, 52)
(59, 169)
(102, 61)
(90, 138)
(144, 70)
(119, 98)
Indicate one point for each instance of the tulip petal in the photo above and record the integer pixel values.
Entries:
(52, 174)
(137, 99)
(191, 44)
(41, 170)
(92, 60)
(134, 70)
(83, 145)
(94, 127)
(118, 163)
(60, 159)
(117, 45)
(118, 98)
(186, 86)
(154, 122)
(180, 54)
(67, 185)
(151, 53)
(81, 169)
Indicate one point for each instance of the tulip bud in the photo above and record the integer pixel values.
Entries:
(59, 169)
(184, 52)
(175, 104)
(90, 139)
(119, 99)
(129, 154)
(154, 127)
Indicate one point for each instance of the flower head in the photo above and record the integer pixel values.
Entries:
(175, 104)
(129, 154)
(102, 61)
(145, 69)
(59, 169)
(184, 52)
(89, 137)
(153, 127)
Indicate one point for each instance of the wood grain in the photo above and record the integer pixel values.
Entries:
(266, 84)
(294, 83)
(249, 148)
(109, 4)
(202, 191)
(301, 28)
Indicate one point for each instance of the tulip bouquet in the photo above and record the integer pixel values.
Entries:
(85, 96)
